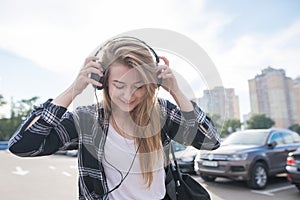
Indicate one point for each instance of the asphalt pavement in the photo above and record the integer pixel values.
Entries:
(55, 178)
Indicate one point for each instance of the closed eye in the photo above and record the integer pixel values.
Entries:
(119, 85)
(139, 86)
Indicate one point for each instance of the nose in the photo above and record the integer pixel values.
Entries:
(128, 93)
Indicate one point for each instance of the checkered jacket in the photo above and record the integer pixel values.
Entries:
(86, 128)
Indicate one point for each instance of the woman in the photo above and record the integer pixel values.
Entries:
(122, 140)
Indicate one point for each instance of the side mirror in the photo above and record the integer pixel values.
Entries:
(272, 144)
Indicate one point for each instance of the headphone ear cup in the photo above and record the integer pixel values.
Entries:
(101, 80)
(159, 80)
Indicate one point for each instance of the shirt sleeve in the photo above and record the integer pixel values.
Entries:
(53, 131)
(189, 128)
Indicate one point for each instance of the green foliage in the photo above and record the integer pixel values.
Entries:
(2, 101)
(225, 127)
(18, 111)
(216, 120)
(295, 127)
(260, 121)
(230, 125)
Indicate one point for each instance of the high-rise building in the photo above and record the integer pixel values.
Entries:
(272, 93)
(297, 97)
(221, 101)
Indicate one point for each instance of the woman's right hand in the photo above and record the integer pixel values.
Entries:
(81, 82)
(84, 76)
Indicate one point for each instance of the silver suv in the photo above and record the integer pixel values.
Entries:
(250, 155)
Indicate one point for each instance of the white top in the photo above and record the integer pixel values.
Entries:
(118, 155)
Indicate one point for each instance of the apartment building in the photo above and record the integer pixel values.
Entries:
(273, 93)
(221, 101)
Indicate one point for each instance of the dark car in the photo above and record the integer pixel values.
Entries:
(3, 145)
(250, 155)
(293, 168)
(185, 156)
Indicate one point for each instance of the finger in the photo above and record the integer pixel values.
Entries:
(94, 82)
(83, 71)
(91, 58)
(167, 76)
(91, 70)
(163, 69)
(94, 64)
(166, 61)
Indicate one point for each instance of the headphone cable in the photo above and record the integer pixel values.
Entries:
(136, 152)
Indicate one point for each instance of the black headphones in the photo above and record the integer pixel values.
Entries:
(102, 79)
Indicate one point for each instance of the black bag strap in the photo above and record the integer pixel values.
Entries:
(174, 167)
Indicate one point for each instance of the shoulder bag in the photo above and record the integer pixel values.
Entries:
(180, 186)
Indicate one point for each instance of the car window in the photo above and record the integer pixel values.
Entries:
(277, 137)
(288, 138)
(296, 137)
(246, 138)
(177, 146)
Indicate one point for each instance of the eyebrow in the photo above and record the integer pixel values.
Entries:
(117, 81)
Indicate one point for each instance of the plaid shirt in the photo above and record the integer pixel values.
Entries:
(85, 129)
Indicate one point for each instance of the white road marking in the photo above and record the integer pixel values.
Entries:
(52, 167)
(66, 174)
(20, 171)
(271, 192)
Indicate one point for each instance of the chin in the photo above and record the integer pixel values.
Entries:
(127, 107)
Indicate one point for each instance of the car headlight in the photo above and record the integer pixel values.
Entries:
(241, 156)
(203, 156)
(187, 159)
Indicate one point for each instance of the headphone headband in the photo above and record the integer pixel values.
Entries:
(129, 38)
(102, 79)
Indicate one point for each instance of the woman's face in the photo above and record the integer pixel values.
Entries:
(126, 87)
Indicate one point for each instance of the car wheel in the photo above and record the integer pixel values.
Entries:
(208, 178)
(298, 186)
(258, 176)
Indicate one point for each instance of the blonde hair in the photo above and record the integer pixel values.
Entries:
(145, 115)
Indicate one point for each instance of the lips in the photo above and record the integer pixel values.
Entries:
(127, 102)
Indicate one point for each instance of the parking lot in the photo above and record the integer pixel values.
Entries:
(55, 177)
(224, 189)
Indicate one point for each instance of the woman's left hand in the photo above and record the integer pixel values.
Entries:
(169, 82)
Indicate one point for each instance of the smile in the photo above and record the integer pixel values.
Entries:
(127, 102)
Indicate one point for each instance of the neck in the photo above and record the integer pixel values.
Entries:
(122, 124)
(119, 114)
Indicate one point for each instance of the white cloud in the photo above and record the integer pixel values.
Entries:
(58, 35)
(249, 54)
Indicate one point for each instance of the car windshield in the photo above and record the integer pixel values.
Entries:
(247, 138)
(178, 147)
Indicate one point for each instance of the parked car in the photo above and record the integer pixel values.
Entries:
(250, 155)
(293, 168)
(3, 145)
(71, 153)
(185, 156)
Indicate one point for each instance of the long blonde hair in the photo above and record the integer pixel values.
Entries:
(145, 115)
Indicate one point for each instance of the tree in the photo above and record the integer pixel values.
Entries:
(19, 111)
(225, 127)
(295, 127)
(260, 121)
(216, 120)
(2, 101)
(230, 125)
(23, 107)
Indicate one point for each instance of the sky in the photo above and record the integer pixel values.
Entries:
(44, 43)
